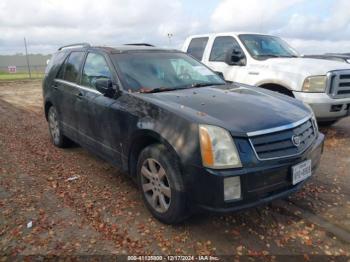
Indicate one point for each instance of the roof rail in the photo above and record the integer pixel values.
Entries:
(141, 44)
(73, 45)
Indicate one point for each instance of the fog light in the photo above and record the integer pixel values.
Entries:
(232, 188)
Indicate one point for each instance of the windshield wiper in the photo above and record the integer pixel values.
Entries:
(159, 89)
(163, 89)
(267, 55)
(195, 85)
(273, 55)
(288, 56)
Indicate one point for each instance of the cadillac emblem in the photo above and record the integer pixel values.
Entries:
(296, 140)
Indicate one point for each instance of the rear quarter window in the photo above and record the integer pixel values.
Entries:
(197, 46)
(50, 63)
(55, 63)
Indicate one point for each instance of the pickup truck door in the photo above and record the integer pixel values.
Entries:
(215, 59)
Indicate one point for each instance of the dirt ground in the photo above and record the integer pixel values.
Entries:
(101, 212)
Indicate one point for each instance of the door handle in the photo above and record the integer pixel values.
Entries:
(55, 87)
(79, 95)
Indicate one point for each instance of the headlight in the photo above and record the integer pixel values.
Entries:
(314, 120)
(348, 61)
(315, 84)
(217, 148)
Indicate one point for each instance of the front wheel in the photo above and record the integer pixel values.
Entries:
(161, 184)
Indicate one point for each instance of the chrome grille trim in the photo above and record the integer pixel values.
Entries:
(279, 128)
(284, 136)
(338, 84)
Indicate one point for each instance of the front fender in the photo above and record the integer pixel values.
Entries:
(291, 81)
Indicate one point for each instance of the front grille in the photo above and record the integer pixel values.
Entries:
(339, 84)
(280, 144)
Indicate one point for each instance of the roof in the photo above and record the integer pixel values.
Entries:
(117, 49)
(131, 48)
(226, 33)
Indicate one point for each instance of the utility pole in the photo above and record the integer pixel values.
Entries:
(27, 58)
(170, 35)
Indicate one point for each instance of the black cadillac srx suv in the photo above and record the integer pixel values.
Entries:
(189, 139)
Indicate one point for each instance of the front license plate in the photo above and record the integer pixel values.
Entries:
(301, 171)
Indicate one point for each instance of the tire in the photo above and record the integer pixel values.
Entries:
(160, 181)
(57, 137)
(327, 123)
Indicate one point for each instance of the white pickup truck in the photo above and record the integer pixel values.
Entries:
(269, 62)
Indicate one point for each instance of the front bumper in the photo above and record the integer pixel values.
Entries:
(325, 107)
(261, 182)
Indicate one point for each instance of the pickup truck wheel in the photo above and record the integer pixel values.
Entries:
(161, 184)
(57, 138)
(278, 89)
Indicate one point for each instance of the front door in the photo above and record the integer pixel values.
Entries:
(98, 123)
(216, 59)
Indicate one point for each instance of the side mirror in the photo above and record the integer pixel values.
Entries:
(105, 86)
(235, 57)
(220, 74)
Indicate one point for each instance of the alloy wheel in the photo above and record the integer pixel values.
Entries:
(54, 127)
(155, 185)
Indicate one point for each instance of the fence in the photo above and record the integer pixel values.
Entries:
(21, 72)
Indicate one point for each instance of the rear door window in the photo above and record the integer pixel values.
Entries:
(197, 47)
(220, 47)
(71, 67)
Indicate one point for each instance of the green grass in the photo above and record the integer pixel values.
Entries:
(19, 76)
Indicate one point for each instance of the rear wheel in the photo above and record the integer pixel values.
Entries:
(57, 138)
(161, 184)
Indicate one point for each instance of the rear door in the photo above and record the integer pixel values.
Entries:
(67, 92)
(197, 47)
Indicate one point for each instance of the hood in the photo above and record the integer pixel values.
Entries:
(306, 66)
(237, 109)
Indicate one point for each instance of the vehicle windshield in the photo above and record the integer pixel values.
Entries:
(162, 71)
(264, 46)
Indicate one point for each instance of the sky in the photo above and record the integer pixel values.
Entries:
(310, 26)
